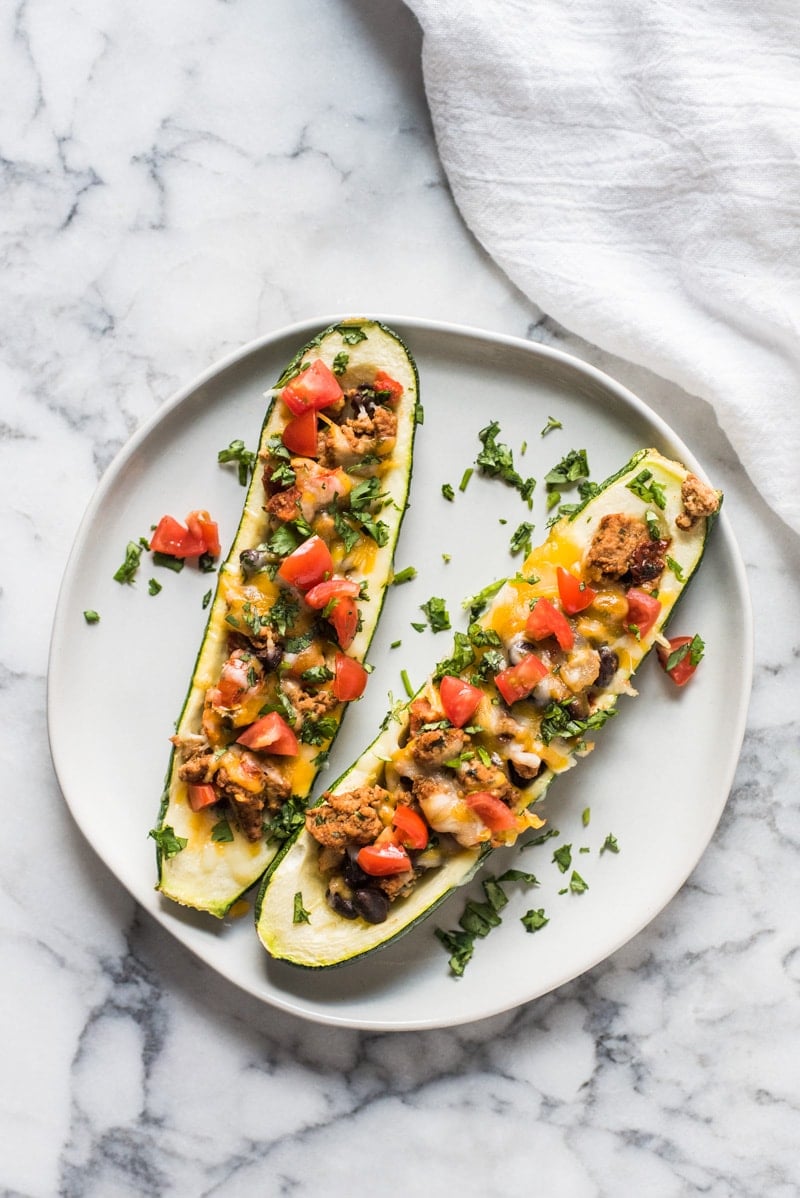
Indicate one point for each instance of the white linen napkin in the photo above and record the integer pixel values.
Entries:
(633, 165)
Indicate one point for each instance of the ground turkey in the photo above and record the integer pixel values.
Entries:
(614, 545)
(251, 786)
(349, 818)
(699, 500)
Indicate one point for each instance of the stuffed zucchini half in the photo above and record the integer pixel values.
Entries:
(458, 771)
(297, 602)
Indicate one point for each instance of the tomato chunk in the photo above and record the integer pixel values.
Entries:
(316, 387)
(349, 678)
(272, 733)
(200, 524)
(460, 699)
(235, 681)
(383, 383)
(411, 826)
(202, 794)
(685, 653)
(575, 595)
(332, 588)
(643, 610)
(491, 810)
(173, 539)
(300, 434)
(518, 681)
(546, 620)
(344, 618)
(307, 565)
(382, 860)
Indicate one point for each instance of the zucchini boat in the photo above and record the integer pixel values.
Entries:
(296, 604)
(458, 771)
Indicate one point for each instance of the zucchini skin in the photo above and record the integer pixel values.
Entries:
(199, 875)
(336, 941)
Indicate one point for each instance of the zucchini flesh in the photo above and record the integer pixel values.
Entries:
(218, 862)
(327, 938)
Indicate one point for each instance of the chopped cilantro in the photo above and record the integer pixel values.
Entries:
(521, 539)
(557, 721)
(407, 687)
(436, 611)
(476, 603)
(551, 424)
(481, 637)
(340, 362)
(570, 469)
(653, 526)
(645, 486)
(463, 656)
(169, 845)
(534, 920)
(448, 492)
(206, 563)
(133, 557)
(418, 627)
(497, 461)
(169, 562)
(299, 914)
(283, 541)
(245, 459)
(586, 816)
(465, 477)
(316, 732)
(609, 844)
(540, 839)
(576, 883)
(519, 875)
(419, 413)
(461, 946)
(153, 586)
(317, 674)
(676, 568)
(562, 857)
(206, 599)
(403, 576)
(222, 833)
(289, 817)
(345, 530)
(395, 644)
(91, 617)
(351, 334)
(365, 494)
(283, 613)
(695, 648)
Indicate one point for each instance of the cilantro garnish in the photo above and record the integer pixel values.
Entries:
(290, 817)
(407, 687)
(551, 424)
(340, 362)
(695, 648)
(562, 857)
(168, 562)
(436, 611)
(283, 541)
(521, 539)
(299, 914)
(351, 334)
(169, 845)
(534, 920)
(479, 918)
(133, 557)
(245, 459)
(465, 477)
(345, 530)
(476, 603)
(586, 815)
(497, 461)
(91, 617)
(365, 494)
(676, 568)
(609, 844)
(283, 614)
(557, 721)
(222, 833)
(576, 883)
(570, 469)
(317, 674)
(645, 486)
(403, 576)
(463, 656)
(461, 946)
(316, 732)
(153, 586)
(448, 492)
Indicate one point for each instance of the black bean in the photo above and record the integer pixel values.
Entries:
(253, 560)
(371, 904)
(609, 664)
(342, 906)
(354, 875)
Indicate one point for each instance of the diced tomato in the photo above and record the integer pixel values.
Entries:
(331, 588)
(684, 669)
(315, 387)
(272, 733)
(309, 564)
(349, 678)
(460, 699)
(643, 610)
(518, 681)
(173, 539)
(383, 382)
(300, 434)
(344, 618)
(411, 826)
(575, 595)
(490, 809)
(382, 860)
(546, 620)
(201, 525)
(234, 681)
(202, 794)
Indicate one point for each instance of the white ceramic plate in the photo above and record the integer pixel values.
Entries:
(658, 779)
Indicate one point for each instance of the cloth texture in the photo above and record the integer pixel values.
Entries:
(632, 165)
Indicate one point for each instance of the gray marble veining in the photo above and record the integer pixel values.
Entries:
(177, 180)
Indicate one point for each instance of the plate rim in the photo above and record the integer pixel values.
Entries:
(300, 331)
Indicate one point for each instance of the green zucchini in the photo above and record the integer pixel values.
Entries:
(655, 515)
(350, 494)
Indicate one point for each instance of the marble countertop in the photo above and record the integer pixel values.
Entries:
(178, 180)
